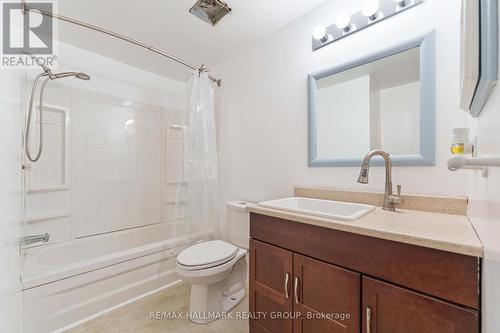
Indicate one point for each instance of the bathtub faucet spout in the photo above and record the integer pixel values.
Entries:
(28, 240)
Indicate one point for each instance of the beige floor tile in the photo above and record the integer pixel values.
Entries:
(135, 317)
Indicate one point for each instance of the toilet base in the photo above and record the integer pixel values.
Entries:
(230, 302)
(205, 317)
(210, 302)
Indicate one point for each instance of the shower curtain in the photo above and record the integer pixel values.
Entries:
(199, 193)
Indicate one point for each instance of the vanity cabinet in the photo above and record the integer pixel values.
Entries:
(326, 297)
(388, 308)
(300, 294)
(310, 279)
(270, 287)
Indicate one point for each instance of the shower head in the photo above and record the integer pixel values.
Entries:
(82, 76)
(78, 75)
(210, 11)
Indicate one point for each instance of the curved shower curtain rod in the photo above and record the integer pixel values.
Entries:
(25, 8)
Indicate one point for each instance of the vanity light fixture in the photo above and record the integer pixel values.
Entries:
(401, 3)
(370, 9)
(373, 11)
(344, 22)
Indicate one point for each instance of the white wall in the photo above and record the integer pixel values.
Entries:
(263, 104)
(11, 90)
(484, 208)
(263, 121)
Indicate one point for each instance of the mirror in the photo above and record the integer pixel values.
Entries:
(382, 101)
(479, 54)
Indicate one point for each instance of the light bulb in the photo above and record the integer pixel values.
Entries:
(319, 32)
(343, 22)
(401, 3)
(370, 9)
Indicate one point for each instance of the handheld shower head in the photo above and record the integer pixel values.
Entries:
(82, 76)
(78, 75)
(48, 76)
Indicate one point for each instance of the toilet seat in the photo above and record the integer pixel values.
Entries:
(206, 255)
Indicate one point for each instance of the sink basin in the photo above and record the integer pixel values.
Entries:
(345, 211)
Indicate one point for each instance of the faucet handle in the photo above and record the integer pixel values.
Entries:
(395, 199)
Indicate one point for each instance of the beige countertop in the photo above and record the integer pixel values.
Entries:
(452, 233)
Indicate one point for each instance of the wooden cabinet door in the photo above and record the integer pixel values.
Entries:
(270, 288)
(327, 296)
(391, 309)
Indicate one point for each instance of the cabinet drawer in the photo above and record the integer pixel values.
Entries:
(450, 276)
(391, 309)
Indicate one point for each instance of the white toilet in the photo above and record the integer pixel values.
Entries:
(217, 270)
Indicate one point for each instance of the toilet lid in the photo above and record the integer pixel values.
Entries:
(212, 253)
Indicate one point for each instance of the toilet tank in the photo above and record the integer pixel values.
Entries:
(238, 222)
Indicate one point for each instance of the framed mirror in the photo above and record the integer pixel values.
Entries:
(384, 100)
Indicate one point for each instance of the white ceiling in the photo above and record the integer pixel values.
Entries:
(168, 25)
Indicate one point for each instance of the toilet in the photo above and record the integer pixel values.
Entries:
(217, 270)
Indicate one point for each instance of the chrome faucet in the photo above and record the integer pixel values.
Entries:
(390, 199)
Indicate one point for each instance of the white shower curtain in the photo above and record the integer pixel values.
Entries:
(200, 161)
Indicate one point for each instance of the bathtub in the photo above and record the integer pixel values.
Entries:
(68, 283)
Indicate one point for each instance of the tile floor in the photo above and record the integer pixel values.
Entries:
(135, 317)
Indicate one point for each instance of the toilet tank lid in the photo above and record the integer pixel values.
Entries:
(238, 205)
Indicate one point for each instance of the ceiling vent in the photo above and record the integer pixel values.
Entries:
(210, 11)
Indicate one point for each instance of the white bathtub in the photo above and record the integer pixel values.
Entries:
(68, 282)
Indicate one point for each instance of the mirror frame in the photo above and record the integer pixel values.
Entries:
(426, 157)
(488, 75)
